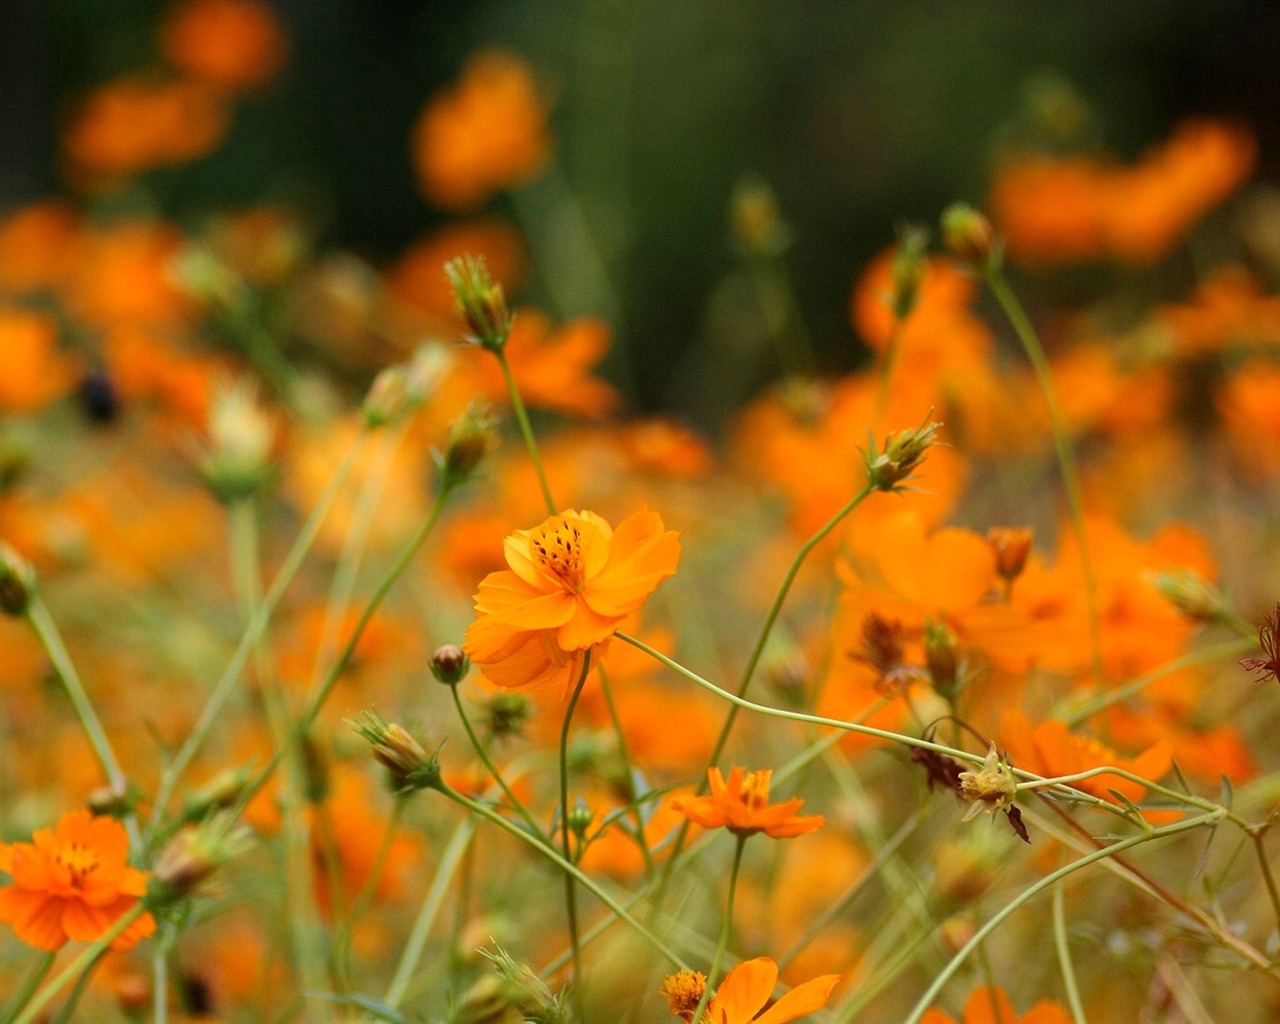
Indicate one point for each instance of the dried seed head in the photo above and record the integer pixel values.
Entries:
(903, 452)
(991, 788)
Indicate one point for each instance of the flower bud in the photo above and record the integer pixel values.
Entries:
(472, 437)
(1193, 595)
(410, 766)
(511, 994)
(450, 664)
(757, 222)
(907, 268)
(194, 854)
(219, 793)
(400, 389)
(990, 788)
(903, 453)
(970, 237)
(17, 582)
(237, 460)
(1010, 545)
(118, 801)
(942, 658)
(479, 302)
(507, 713)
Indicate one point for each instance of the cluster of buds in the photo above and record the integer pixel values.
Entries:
(479, 301)
(237, 461)
(17, 582)
(409, 765)
(903, 452)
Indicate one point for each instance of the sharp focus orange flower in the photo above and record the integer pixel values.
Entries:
(571, 582)
(72, 883)
(742, 995)
(742, 806)
(991, 1006)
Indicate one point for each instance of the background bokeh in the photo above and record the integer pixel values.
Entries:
(858, 115)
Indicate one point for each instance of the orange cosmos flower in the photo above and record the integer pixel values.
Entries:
(72, 883)
(991, 1005)
(572, 581)
(743, 994)
(742, 806)
(231, 44)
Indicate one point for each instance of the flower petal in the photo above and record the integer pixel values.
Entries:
(745, 990)
(802, 999)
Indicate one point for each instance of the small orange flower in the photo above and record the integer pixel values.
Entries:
(742, 806)
(571, 582)
(742, 995)
(72, 883)
(231, 44)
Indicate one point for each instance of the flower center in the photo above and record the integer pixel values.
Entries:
(81, 861)
(755, 789)
(559, 552)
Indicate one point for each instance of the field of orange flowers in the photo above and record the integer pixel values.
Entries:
(363, 659)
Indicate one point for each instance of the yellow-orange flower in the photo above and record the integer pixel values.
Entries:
(232, 44)
(743, 994)
(742, 806)
(72, 882)
(991, 1005)
(571, 582)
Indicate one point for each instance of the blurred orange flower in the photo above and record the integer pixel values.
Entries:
(232, 44)
(1060, 211)
(742, 806)
(991, 1006)
(135, 123)
(482, 134)
(571, 582)
(33, 371)
(72, 882)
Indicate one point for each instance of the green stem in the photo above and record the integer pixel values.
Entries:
(1260, 848)
(483, 754)
(222, 691)
(47, 632)
(64, 1015)
(619, 911)
(1030, 341)
(628, 770)
(421, 931)
(526, 430)
(342, 941)
(570, 895)
(726, 928)
(939, 982)
(1063, 945)
(81, 963)
(886, 366)
(37, 975)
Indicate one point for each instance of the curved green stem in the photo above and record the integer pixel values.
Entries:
(1063, 946)
(619, 911)
(421, 931)
(526, 430)
(935, 987)
(483, 754)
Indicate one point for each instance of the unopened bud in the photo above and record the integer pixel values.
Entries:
(970, 237)
(398, 390)
(1010, 545)
(117, 800)
(907, 268)
(757, 222)
(513, 992)
(942, 658)
(236, 462)
(472, 437)
(450, 664)
(219, 793)
(507, 714)
(580, 818)
(17, 582)
(410, 766)
(479, 301)
(193, 855)
(903, 453)
(1192, 595)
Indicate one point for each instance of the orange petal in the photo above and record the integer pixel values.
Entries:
(745, 990)
(802, 999)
